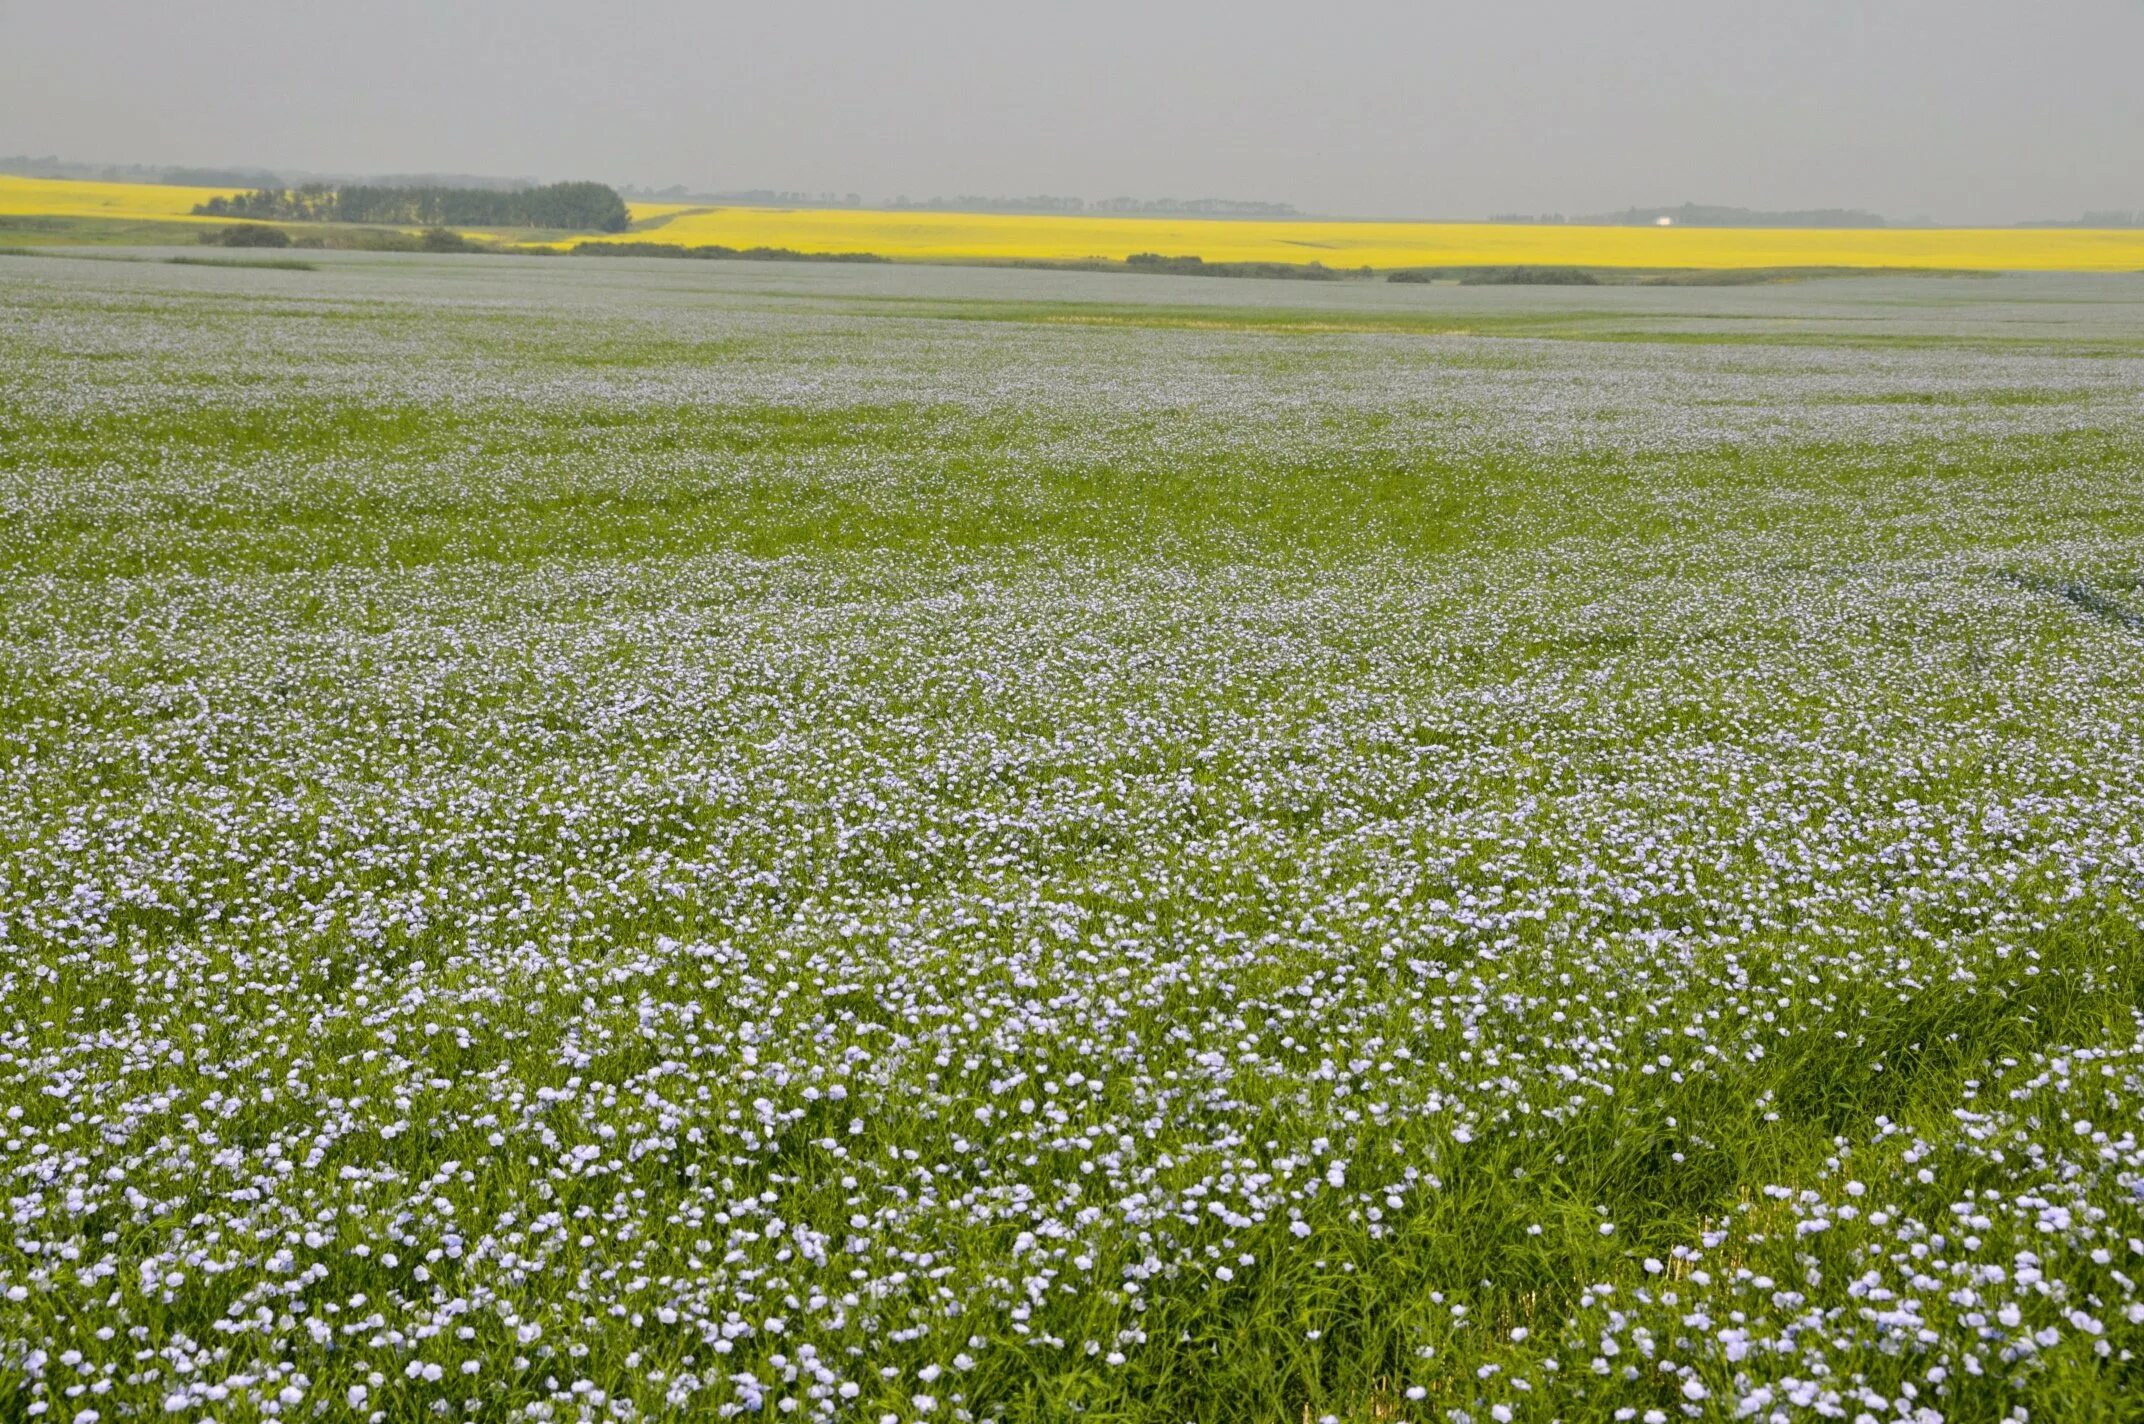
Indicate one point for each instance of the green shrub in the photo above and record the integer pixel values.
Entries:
(1528, 277)
(589, 207)
(247, 235)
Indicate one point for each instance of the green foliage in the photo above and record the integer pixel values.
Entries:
(247, 235)
(581, 207)
(1193, 266)
(1529, 277)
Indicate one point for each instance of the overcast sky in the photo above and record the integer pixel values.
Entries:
(1966, 110)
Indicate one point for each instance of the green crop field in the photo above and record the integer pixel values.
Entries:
(670, 841)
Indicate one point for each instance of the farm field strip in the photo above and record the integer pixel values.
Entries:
(949, 237)
(68, 197)
(987, 237)
(599, 841)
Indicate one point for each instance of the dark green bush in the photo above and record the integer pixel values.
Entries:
(1528, 277)
(247, 235)
(585, 207)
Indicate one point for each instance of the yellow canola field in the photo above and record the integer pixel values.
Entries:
(70, 198)
(949, 237)
(955, 237)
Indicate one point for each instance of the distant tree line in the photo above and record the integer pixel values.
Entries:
(1711, 215)
(1194, 266)
(975, 203)
(749, 198)
(1195, 207)
(2113, 217)
(580, 207)
(229, 176)
(25, 166)
(1140, 207)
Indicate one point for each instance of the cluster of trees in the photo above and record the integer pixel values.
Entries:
(580, 207)
(247, 235)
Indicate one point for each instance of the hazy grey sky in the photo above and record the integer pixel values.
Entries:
(1974, 110)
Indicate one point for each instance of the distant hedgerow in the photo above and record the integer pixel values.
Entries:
(586, 207)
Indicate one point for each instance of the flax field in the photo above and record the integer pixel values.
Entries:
(682, 841)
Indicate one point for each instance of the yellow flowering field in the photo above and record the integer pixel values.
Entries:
(953, 237)
(71, 198)
(935, 236)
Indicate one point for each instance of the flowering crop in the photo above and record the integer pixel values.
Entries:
(75, 198)
(599, 842)
(1004, 237)
(949, 237)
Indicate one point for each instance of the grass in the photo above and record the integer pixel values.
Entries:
(35, 230)
(1029, 845)
(27, 231)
